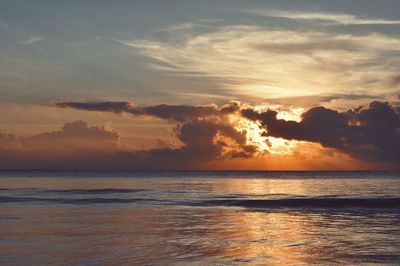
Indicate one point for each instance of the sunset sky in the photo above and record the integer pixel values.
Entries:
(269, 85)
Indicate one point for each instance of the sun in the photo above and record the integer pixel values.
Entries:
(257, 136)
(253, 130)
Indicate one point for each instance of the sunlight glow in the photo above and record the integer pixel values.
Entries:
(294, 114)
(253, 130)
(255, 135)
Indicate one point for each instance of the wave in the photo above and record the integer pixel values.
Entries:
(73, 200)
(74, 191)
(309, 203)
(96, 191)
(121, 196)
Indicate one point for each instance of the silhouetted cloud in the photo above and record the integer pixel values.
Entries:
(203, 141)
(76, 134)
(206, 134)
(75, 145)
(371, 133)
(116, 107)
(80, 146)
(202, 130)
(178, 113)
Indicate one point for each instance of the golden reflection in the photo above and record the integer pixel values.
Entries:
(264, 237)
(259, 186)
(144, 233)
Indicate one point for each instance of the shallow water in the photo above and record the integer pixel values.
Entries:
(199, 218)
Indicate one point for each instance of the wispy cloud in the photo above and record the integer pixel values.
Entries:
(32, 40)
(181, 27)
(336, 18)
(255, 60)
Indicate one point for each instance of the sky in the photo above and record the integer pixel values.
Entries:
(270, 85)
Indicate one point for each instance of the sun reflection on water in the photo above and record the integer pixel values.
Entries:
(170, 230)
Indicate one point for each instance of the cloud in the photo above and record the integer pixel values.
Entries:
(75, 146)
(8, 141)
(261, 62)
(204, 133)
(115, 107)
(203, 130)
(371, 133)
(335, 18)
(178, 113)
(207, 138)
(203, 141)
(32, 40)
(181, 27)
(73, 136)
(76, 135)
(395, 81)
(341, 101)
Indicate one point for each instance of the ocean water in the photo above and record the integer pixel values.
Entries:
(199, 218)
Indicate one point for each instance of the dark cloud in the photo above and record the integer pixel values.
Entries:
(208, 140)
(203, 141)
(177, 113)
(74, 135)
(116, 107)
(75, 145)
(203, 131)
(80, 129)
(80, 146)
(205, 134)
(371, 133)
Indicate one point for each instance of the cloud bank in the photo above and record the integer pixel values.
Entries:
(203, 131)
(209, 135)
(371, 133)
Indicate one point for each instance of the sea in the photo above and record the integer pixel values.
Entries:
(199, 218)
